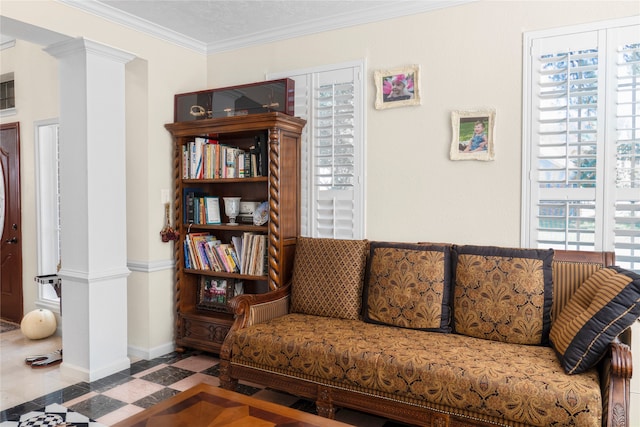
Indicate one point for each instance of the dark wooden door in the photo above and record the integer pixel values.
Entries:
(11, 243)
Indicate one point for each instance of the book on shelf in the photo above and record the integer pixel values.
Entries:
(246, 254)
(259, 151)
(189, 196)
(212, 209)
(236, 242)
(206, 158)
(254, 254)
(190, 255)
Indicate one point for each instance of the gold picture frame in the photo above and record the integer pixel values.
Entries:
(399, 87)
(473, 134)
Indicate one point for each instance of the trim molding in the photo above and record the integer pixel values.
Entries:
(151, 353)
(388, 10)
(150, 266)
(7, 42)
(123, 18)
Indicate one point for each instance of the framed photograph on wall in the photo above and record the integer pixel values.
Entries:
(397, 87)
(473, 134)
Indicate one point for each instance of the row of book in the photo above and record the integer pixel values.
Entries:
(254, 253)
(246, 254)
(200, 208)
(205, 158)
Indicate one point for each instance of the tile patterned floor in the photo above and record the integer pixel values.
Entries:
(148, 382)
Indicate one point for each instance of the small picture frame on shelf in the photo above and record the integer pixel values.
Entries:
(212, 210)
(397, 87)
(473, 134)
(213, 293)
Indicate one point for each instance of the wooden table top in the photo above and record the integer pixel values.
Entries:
(206, 405)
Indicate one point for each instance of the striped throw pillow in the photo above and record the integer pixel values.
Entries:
(606, 304)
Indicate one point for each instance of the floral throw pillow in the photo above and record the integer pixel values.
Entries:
(408, 285)
(503, 294)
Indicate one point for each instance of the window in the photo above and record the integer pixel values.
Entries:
(7, 92)
(47, 208)
(332, 165)
(582, 140)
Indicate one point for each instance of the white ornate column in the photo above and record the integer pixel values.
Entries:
(92, 208)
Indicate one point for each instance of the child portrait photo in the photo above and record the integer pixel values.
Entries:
(397, 88)
(472, 134)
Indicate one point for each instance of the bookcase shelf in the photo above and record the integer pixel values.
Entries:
(250, 180)
(201, 320)
(225, 274)
(239, 227)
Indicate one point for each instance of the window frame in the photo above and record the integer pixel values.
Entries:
(47, 219)
(606, 191)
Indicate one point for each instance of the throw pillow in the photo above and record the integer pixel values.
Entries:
(408, 285)
(328, 276)
(606, 304)
(503, 294)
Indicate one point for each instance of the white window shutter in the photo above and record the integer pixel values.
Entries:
(624, 116)
(332, 164)
(583, 140)
(564, 141)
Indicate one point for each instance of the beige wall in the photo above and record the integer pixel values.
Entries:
(37, 99)
(470, 56)
(159, 71)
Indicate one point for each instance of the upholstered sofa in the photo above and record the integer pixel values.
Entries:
(444, 335)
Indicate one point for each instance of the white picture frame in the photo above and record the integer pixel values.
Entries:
(398, 87)
(473, 134)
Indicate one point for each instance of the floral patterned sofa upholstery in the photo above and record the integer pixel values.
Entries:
(444, 335)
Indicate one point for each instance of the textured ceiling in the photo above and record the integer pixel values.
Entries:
(216, 25)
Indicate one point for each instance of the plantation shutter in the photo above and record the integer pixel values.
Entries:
(583, 174)
(625, 47)
(332, 154)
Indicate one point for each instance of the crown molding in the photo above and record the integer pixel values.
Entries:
(6, 42)
(388, 10)
(117, 16)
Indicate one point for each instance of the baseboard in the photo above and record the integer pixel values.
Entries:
(151, 353)
(83, 374)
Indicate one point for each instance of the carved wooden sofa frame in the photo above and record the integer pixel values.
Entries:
(615, 368)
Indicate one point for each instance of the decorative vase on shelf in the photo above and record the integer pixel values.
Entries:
(232, 209)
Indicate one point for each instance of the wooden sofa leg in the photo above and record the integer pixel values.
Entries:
(226, 381)
(324, 404)
(326, 410)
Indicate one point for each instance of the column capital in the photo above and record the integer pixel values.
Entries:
(81, 45)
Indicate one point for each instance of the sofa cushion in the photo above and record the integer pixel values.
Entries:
(503, 294)
(501, 383)
(567, 278)
(328, 275)
(408, 285)
(606, 304)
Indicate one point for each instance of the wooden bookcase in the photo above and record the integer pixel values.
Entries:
(206, 328)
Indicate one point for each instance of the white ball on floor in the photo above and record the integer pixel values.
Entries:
(38, 324)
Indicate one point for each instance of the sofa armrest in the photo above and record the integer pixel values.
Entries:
(616, 369)
(250, 309)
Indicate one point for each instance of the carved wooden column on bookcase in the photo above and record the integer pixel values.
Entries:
(274, 209)
(177, 221)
